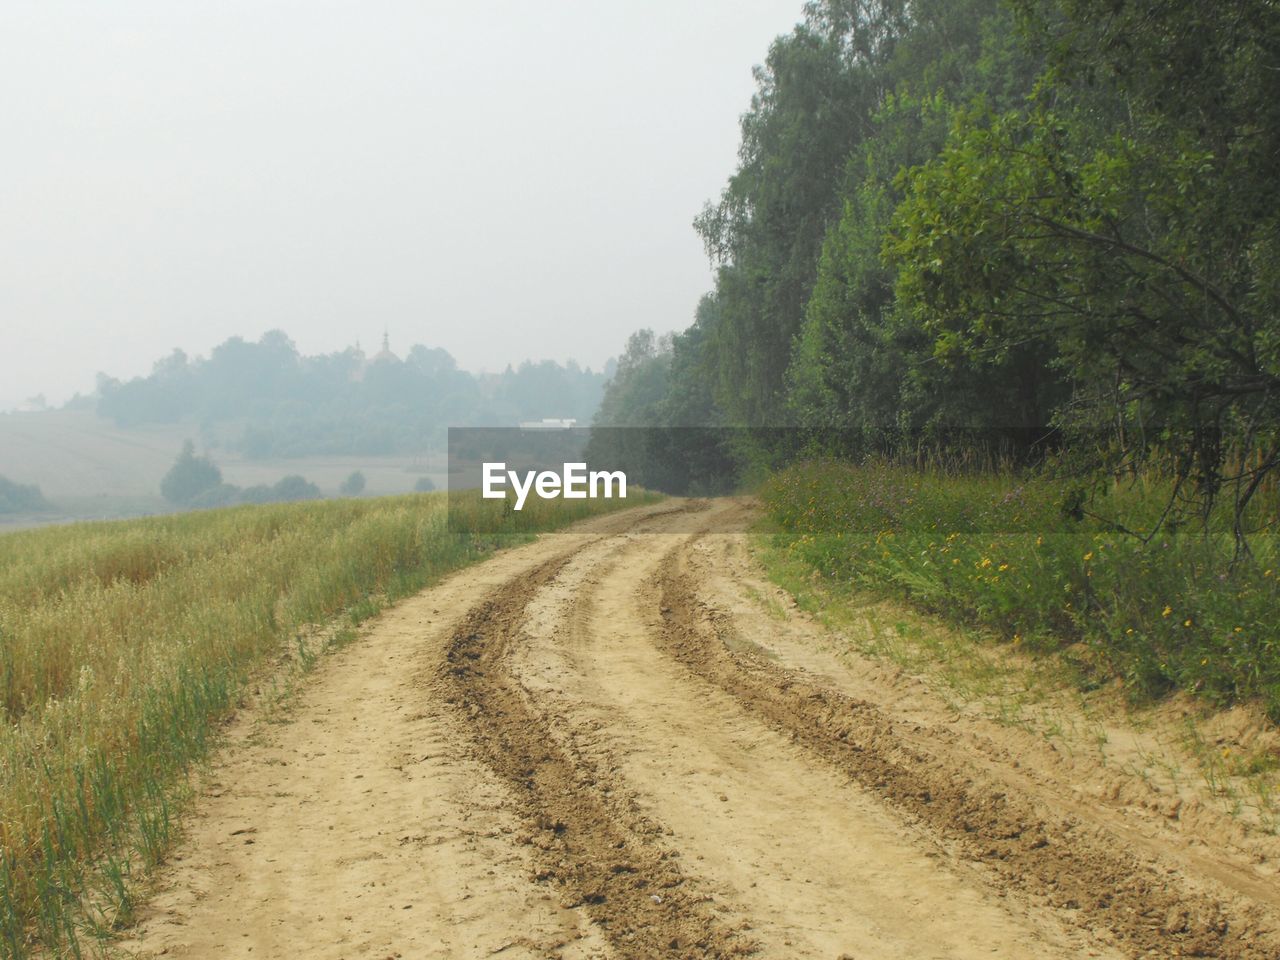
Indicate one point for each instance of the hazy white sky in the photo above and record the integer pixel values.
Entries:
(503, 179)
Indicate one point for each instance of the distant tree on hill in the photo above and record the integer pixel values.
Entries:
(353, 486)
(424, 485)
(258, 493)
(189, 477)
(295, 487)
(21, 497)
(292, 487)
(222, 495)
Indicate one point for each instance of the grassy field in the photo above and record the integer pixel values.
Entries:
(123, 644)
(92, 469)
(1177, 611)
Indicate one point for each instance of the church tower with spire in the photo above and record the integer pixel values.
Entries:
(385, 353)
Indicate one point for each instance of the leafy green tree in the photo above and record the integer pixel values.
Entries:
(853, 362)
(258, 493)
(221, 495)
(867, 368)
(840, 86)
(292, 487)
(295, 487)
(658, 418)
(189, 477)
(632, 399)
(639, 385)
(21, 497)
(816, 94)
(1137, 245)
(689, 397)
(353, 485)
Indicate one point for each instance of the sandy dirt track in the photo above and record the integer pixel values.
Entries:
(596, 746)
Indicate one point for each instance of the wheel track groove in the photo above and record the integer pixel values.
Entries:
(589, 841)
(1091, 878)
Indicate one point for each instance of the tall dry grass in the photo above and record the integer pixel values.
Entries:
(121, 646)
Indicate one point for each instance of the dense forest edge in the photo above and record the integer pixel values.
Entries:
(985, 265)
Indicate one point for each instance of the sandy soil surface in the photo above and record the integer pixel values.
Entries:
(599, 745)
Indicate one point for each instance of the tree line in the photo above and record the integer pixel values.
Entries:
(265, 399)
(21, 497)
(1052, 218)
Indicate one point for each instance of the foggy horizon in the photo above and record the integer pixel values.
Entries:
(507, 184)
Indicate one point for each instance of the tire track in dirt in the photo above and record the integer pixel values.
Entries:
(818, 867)
(588, 840)
(351, 820)
(572, 751)
(1084, 874)
(1052, 747)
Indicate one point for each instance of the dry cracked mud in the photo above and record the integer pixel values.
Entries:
(594, 746)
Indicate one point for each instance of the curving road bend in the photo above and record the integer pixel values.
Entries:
(597, 745)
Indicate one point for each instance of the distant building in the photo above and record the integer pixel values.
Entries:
(549, 423)
(385, 353)
(363, 363)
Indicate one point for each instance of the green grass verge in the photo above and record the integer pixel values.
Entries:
(1174, 612)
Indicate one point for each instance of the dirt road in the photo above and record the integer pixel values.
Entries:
(599, 745)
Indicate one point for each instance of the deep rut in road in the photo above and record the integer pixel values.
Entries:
(590, 842)
(1056, 859)
(607, 743)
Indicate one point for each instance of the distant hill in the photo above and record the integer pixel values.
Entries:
(262, 411)
(90, 468)
(76, 453)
